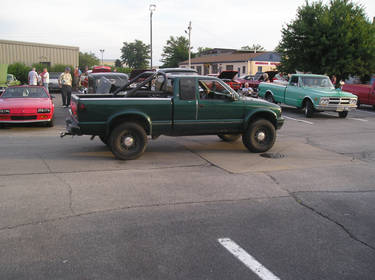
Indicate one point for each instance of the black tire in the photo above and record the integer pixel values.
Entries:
(136, 137)
(358, 104)
(252, 138)
(269, 98)
(308, 109)
(343, 114)
(229, 137)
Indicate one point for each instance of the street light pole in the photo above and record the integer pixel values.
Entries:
(152, 8)
(102, 51)
(189, 28)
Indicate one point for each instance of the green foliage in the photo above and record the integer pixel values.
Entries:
(60, 68)
(20, 70)
(334, 39)
(125, 70)
(201, 50)
(175, 51)
(118, 63)
(87, 59)
(254, 47)
(135, 54)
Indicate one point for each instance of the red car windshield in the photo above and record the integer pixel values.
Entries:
(24, 92)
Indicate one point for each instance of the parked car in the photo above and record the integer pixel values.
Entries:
(173, 105)
(365, 93)
(245, 79)
(106, 82)
(310, 92)
(6, 79)
(53, 85)
(26, 104)
(228, 77)
(12, 80)
(100, 69)
(259, 77)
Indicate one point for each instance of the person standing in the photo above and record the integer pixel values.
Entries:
(33, 77)
(76, 77)
(65, 82)
(45, 78)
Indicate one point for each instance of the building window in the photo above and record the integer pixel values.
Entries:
(260, 68)
(206, 69)
(192, 67)
(243, 69)
(199, 70)
(229, 67)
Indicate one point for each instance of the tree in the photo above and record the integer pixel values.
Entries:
(175, 51)
(118, 63)
(87, 59)
(254, 47)
(201, 50)
(136, 54)
(333, 39)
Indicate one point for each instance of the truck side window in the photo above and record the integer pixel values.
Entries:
(294, 81)
(187, 88)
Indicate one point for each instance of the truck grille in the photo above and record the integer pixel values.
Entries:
(339, 101)
(22, 118)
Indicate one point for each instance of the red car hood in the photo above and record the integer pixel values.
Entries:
(25, 103)
(227, 75)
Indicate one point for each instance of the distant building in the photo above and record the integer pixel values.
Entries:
(244, 62)
(30, 53)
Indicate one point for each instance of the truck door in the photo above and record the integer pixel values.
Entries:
(293, 92)
(185, 106)
(217, 111)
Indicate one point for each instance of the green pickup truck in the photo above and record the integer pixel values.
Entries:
(174, 105)
(311, 93)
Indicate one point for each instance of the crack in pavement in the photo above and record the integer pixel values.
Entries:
(326, 217)
(70, 191)
(140, 207)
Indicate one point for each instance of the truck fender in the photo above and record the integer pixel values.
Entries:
(302, 105)
(129, 114)
(261, 114)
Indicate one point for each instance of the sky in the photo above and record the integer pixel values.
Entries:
(93, 25)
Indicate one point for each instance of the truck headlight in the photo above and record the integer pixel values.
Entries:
(324, 101)
(44, 110)
(4, 111)
(353, 101)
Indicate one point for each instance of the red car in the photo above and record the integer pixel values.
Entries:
(365, 93)
(26, 104)
(228, 78)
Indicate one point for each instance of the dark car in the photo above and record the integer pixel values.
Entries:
(106, 82)
(228, 78)
(259, 77)
(53, 85)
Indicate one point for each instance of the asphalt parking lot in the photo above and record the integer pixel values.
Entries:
(191, 207)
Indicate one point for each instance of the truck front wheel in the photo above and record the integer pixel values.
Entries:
(229, 137)
(128, 141)
(260, 136)
(308, 109)
(343, 114)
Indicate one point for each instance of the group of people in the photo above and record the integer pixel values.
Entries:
(66, 82)
(41, 78)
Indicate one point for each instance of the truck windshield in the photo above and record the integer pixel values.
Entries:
(317, 82)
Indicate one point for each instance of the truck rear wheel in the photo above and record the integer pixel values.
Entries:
(128, 141)
(229, 137)
(260, 136)
(308, 109)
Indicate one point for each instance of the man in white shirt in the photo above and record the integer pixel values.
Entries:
(45, 78)
(33, 77)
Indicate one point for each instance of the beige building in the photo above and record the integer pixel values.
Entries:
(245, 63)
(30, 53)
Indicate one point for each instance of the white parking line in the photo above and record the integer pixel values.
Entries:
(356, 119)
(247, 259)
(298, 120)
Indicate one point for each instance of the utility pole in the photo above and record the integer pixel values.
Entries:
(102, 51)
(152, 8)
(189, 28)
